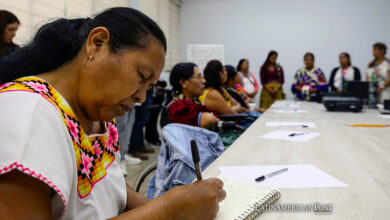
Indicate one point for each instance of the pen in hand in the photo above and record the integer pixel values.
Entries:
(196, 159)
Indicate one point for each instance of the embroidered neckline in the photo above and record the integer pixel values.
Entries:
(94, 154)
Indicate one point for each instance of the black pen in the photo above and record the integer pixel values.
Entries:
(196, 159)
(263, 177)
(296, 134)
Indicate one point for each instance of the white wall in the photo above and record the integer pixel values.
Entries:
(34, 13)
(251, 28)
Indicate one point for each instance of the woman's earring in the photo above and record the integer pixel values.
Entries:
(89, 59)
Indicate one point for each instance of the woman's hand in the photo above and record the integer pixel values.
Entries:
(380, 89)
(313, 90)
(236, 108)
(198, 200)
(207, 120)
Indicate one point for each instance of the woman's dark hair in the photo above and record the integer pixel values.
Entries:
(231, 73)
(267, 61)
(60, 41)
(6, 18)
(181, 71)
(240, 64)
(309, 54)
(347, 55)
(380, 46)
(212, 75)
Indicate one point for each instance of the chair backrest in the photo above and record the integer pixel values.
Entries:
(175, 166)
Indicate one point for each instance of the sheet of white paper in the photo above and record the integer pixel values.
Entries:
(286, 104)
(297, 176)
(387, 116)
(276, 124)
(300, 136)
(288, 111)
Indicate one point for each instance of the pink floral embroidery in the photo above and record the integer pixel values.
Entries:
(37, 86)
(87, 161)
(73, 128)
(97, 149)
(5, 85)
(110, 146)
(113, 133)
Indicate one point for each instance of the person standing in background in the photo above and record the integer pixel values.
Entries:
(151, 133)
(272, 79)
(249, 82)
(137, 146)
(345, 72)
(9, 24)
(309, 81)
(379, 71)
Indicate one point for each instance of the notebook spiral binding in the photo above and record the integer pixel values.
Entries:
(258, 207)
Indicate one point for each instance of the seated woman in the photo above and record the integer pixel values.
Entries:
(272, 79)
(345, 72)
(215, 96)
(57, 121)
(188, 83)
(232, 85)
(309, 81)
(249, 83)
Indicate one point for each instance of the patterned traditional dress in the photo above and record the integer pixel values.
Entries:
(305, 79)
(42, 138)
(378, 73)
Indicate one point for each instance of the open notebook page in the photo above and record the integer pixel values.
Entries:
(241, 198)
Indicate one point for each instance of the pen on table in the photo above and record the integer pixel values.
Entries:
(296, 134)
(369, 125)
(303, 126)
(261, 178)
(196, 159)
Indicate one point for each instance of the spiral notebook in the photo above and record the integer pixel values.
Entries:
(244, 201)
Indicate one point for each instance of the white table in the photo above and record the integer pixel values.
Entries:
(359, 157)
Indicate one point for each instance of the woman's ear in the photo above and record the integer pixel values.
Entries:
(98, 37)
(183, 83)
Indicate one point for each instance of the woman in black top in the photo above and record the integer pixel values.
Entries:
(9, 24)
(346, 72)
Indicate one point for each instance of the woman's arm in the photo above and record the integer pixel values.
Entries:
(134, 199)
(207, 120)
(198, 200)
(216, 101)
(24, 197)
(387, 83)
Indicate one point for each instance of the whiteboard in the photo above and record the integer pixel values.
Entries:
(200, 54)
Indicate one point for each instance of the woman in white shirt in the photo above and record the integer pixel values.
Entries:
(59, 156)
(345, 72)
(379, 71)
(248, 80)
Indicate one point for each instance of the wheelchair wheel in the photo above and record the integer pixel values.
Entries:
(144, 177)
